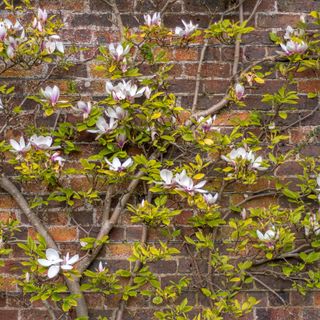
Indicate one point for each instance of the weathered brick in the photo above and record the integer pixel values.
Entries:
(91, 19)
(279, 313)
(298, 5)
(274, 20)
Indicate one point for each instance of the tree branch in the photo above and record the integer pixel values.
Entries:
(73, 285)
(108, 225)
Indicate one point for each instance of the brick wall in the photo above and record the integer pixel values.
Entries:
(87, 23)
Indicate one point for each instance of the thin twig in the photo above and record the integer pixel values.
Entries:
(237, 45)
(267, 287)
(198, 75)
(49, 309)
(164, 8)
(254, 10)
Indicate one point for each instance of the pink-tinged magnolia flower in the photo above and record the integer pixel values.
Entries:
(84, 108)
(188, 29)
(210, 199)
(3, 31)
(124, 90)
(12, 45)
(186, 183)
(42, 142)
(51, 94)
(53, 43)
(117, 113)
(53, 262)
(121, 140)
(239, 91)
(152, 20)
(117, 51)
(67, 263)
(314, 225)
(207, 123)
(116, 164)
(57, 158)
(293, 47)
(101, 268)
(20, 147)
(243, 214)
(36, 24)
(103, 127)
(42, 15)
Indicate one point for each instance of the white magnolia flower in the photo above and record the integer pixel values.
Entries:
(13, 26)
(53, 43)
(57, 158)
(67, 262)
(188, 29)
(117, 113)
(186, 183)
(242, 154)
(293, 47)
(1, 104)
(255, 163)
(167, 177)
(239, 153)
(290, 32)
(269, 235)
(239, 91)
(314, 225)
(210, 199)
(116, 164)
(20, 147)
(53, 262)
(42, 142)
(84, 108)
(52, 94)
(154, 20)
(147, 92)
(103, 127)
(117, 51)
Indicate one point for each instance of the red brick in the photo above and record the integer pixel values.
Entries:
(9, 314)
(60, 234)
(309, 86)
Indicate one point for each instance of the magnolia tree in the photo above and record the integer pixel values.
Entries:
(157, 159)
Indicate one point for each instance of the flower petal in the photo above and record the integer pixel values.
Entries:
(53, 271)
